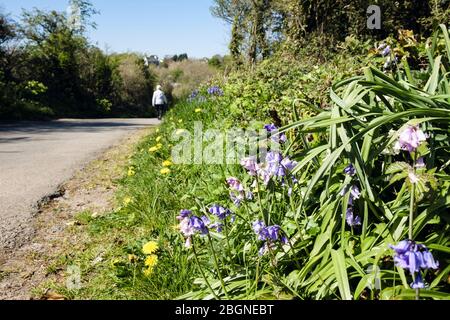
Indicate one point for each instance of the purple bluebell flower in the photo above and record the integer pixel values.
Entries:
(354, 192)
(250, 165)
(258, 225)
(249, 195)
(288, 164)
(270, 127)
(236, 198)
(262, 251)
(198, 225)
(350, 170)
(410, 139)
(235, 184)
(273, 232)
(412, 256)
(184, 213)
(218, 226)
(221, 212)
(420, 163)
(186, 228)
(351, 219)
(215, 91)
(284, 240)
(206, 220)
(386, 51)
(418, 282)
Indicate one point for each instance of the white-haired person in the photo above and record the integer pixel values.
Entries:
(159, 101)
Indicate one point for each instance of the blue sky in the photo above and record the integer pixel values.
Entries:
(161, 27)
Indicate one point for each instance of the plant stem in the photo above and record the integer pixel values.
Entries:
(201, 271)
(216, 262)
(259, 200)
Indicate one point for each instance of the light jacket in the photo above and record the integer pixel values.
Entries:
(159, 98)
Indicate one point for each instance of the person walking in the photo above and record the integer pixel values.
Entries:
(159, 101)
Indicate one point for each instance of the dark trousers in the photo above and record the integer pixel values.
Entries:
(160, 110)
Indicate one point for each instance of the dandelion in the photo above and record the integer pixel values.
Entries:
(150, 247)
(167, 163)
(158, 139)
(153, 149)
(198, 110)
(148, 272)
(151, 261)
(127, 201)
(165, 171)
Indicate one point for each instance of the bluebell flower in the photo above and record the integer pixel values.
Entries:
(184, 213)
(350, 170)
(412, 256)
(221, 212)
(386, 51)
(215, 90)
(258, 225)
(198, 225)
(270, 127)
(418, 282)
(351, 219)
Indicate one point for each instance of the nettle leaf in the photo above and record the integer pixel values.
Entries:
(398, 167)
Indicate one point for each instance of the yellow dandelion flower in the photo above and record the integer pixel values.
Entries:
(151, 261)
(165, 171)
(158, 139)
(150, 247)
(198, 110)
(167, 163)
(159, 145)
(157, 130)
(153, 149)
(148, 272)
(127, 201)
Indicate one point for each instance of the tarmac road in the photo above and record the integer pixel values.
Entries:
(37, 157)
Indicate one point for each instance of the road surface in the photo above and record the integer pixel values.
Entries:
(37, 157)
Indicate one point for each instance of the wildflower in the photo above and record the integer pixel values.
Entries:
(151, 261)
(180, 121)
(150, 247)
(420, 163)
(413, 177)
(250, 165)
(418, 282)
(198, 110)
(410, 139)
(386, 51)
(273, 231)
(350, 170)
(153, 149)
(158, 139)
(186, 228)
(273, 129)
(148, 272)
(288, 164)
(354, 193)
(218, 226)
(198, 224)
(167, 163)
(127, 201)
(412, 256)
(258, 226)
(351, 219)
(184, 213)
(235, 184)
(165, 171)
(157, 130)
(215, 91)
(220, 212)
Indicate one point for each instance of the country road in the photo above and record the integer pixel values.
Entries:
(36, 157)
